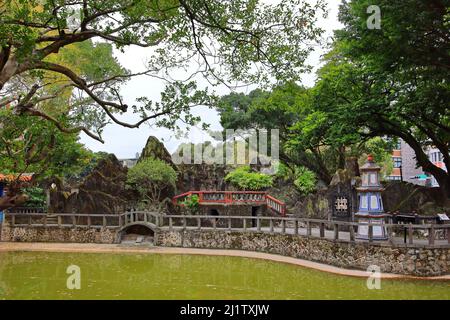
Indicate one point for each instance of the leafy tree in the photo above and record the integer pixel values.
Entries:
(36, 146)
(305, 180)
(392, 81)
(30, 143)
(381, 150)
(36, 197)
(239, 40)
(309, 137)
(192, 203)
(244, 179)
(279, 109)
(150, 178)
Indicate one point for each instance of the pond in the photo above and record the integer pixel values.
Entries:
(42, 275)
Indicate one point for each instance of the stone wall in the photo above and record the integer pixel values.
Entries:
(399, 260)
(55, 234)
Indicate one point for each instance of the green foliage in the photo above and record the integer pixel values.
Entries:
(290, 109)
(381, 150)
(283, 171)
(150, 177)
(192, 203)
(305, 180)
(392, 81)
(30, 144)
(244, 179)
(37, 197)
(251, 41)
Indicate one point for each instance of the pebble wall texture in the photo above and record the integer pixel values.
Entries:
(390, 259)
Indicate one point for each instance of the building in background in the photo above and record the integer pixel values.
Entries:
(437, 158)
(130, 162)
(406, 168)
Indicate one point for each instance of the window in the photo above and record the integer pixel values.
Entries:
(398, 145)
(394, 178)
(373, 202)
(373, 178)
(365, 179)
(364, 204)
(397, 162)
(436, 157)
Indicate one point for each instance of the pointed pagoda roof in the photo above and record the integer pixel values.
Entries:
(370, 164)
(24, 177)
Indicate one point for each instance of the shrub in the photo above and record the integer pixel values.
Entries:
(305, 180)
(150, 177)
(191, 203)
(244, 179)
(283, 172)
(36, 197)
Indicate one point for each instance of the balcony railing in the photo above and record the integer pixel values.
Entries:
(234, 198)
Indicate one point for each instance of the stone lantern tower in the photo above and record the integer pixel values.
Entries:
(370, 204)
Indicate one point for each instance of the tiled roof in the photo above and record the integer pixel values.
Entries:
(25, 177)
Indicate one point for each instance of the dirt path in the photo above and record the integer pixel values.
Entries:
(115, 248)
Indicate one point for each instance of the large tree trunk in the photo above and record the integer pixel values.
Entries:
(441, 176)
(10, 201)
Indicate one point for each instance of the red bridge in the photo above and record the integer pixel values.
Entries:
(234, 198)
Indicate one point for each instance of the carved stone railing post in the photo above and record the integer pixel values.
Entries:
(410, 234)
(431, 236)
(336, 231)
(352, 233)
(448, 234)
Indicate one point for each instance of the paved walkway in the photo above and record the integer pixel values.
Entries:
(115, 248)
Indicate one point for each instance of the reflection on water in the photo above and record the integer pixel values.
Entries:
(39, 275)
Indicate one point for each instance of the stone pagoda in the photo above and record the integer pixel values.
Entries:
(370, 204)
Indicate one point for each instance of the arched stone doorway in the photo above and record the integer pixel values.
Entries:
(137, 234)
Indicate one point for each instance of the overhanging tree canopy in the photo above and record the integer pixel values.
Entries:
(394, 81)
(238, 40)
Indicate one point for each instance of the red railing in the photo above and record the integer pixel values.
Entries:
(235, 197)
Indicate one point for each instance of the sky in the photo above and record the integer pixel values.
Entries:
(125, 142)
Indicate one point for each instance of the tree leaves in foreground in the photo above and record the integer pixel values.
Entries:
(393, 81)
(223, 41)
(33, 145)
(151, 177)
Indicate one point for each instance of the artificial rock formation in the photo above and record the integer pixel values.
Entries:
(202, 177)
(155, 149)
(406, 197)
(102, 191)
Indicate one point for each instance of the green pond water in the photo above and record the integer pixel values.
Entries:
(39, 275)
